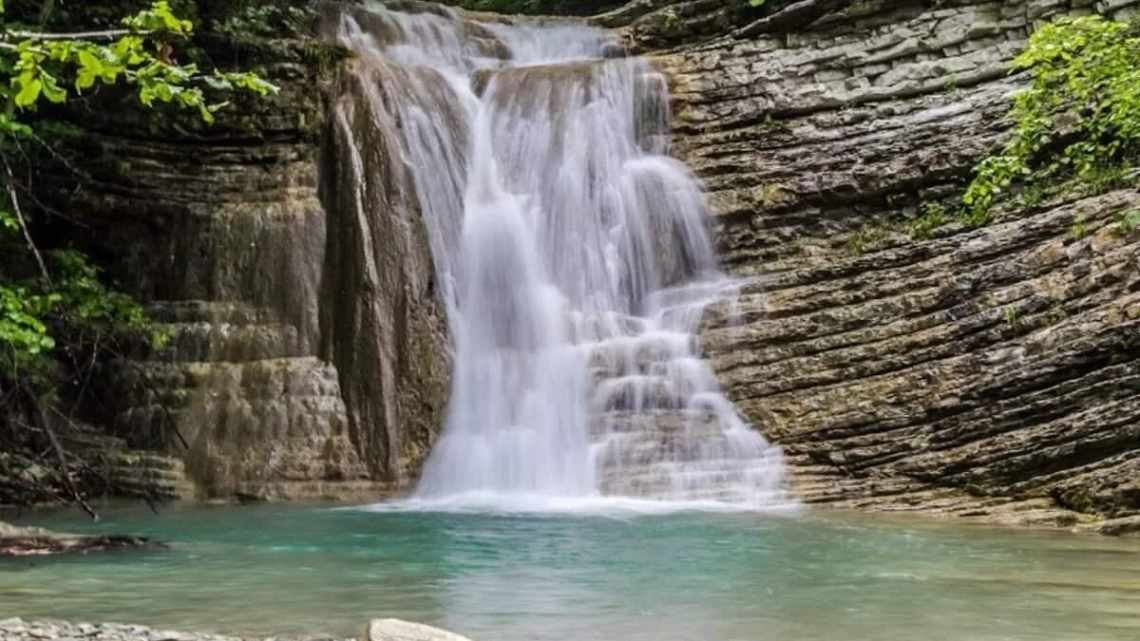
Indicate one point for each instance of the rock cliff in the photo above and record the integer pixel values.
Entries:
(307, 355)
(987, 372)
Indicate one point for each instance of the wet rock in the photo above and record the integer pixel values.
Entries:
(228, 237)
(397, 630)
(22, 541)
(16, 629)
(989, 372)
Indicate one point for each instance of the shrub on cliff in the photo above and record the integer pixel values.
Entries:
(1080, 117)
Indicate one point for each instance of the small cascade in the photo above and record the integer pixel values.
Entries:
(572, 255)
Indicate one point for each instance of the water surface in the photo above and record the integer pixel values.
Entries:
(621, 575)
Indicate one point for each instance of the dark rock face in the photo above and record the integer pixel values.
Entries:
(990, 372)
(307, 356)
(384, 326)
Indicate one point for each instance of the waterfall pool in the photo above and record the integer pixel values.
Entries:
(616, 574)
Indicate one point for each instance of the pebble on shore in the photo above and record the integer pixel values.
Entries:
(17, 629)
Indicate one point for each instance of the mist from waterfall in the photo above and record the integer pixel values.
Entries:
(574, 259)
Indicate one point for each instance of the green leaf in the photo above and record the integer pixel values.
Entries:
(52, 91)
(29, 92)
(84, 79)
(88, 61)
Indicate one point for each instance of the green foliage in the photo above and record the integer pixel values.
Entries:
(934, 215)
(1012, 317)
(85, 303)
(139, 57)
(1056, 315)
(1079, 229)
(76, 306)
(159, 18)
(1080, 117)
(265, 20)
(770, 194)
(865, 239)
(56, 302)
(1128, 222)
(22, 328)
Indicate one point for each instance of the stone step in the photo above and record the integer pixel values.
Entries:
(159, 463)
(222, 341)
(283, 416)
(203, 311)
(652, 421)
(147, 474)
(84, 439)
(709, 446)
(638, 392)
(669, 481)
(622, 452)
(596, 328)
(274, 396)
(267, 378)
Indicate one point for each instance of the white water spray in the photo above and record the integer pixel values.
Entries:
(575, 262)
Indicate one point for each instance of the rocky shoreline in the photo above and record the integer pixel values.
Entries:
(17, 629)
(20, 630)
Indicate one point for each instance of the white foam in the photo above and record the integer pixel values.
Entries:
(570, 247)
(531, 504)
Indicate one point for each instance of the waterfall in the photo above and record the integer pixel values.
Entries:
(573, 258)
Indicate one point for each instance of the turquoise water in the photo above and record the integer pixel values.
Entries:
(622, 576)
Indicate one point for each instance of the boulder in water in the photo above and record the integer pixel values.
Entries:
(397, 630)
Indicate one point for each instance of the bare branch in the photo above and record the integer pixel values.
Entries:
(80, 35)
(46, 425)
(10, 185)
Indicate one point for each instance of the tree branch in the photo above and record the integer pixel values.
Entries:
(80, 35)
(10, 185)
(55, 444)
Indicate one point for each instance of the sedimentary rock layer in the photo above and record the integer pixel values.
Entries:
(990, 372)
(306, 357)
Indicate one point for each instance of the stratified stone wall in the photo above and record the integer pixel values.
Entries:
(991, 372)
(226, 235)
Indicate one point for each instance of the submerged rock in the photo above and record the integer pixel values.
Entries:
(32, 541)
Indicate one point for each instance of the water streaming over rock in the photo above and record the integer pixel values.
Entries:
(572, 255)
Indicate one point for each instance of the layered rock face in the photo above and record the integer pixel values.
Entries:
(306, 356)
(989, 372)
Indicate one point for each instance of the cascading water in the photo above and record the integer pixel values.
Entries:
(574, 261)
